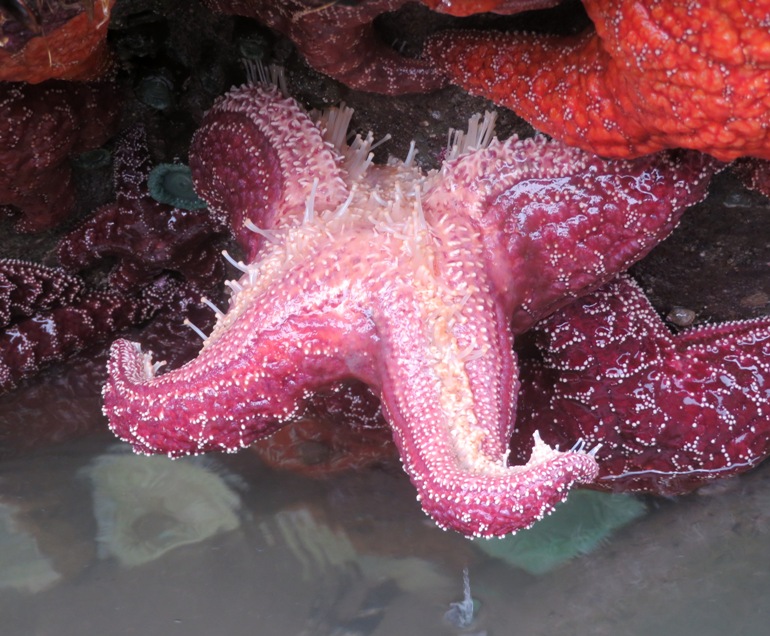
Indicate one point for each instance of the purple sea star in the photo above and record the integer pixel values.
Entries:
(145, 238)
(164, 259)
(48, 315)
(28, 288)
(755, 174)
(670, 412)
(404, 280)
(41, 126)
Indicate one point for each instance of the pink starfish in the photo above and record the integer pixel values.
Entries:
(671, 412)
(404, 280)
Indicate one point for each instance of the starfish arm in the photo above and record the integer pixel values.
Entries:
(34, 197)
(140, 237)
(131, 165)
(40, 126)
(83, 246)
(670, 411)
(56, 334)
(375, 67)
(565, 237)
(546, 80)
(451, 417)
(275, 154)
(252, 376)
(72, 47)
(558, 222)
(652, 75)
(505, 7)
(28, 288)
(755, 174)
(242, 403)
(690, 76)
(486, 498)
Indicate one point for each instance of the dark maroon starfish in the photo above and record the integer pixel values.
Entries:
(163, 259)
(28, 288)
(143, 237)
(755, 174)
(339, 38)
(50, 315)
(403, 280)
(41, 126)
(470, 7)
(668, 412)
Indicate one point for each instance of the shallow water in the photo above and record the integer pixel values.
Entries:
(95, 540)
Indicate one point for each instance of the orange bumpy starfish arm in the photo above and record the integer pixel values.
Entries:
(652, 75)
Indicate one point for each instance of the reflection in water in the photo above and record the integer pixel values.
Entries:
(96, 540)
(22, 565)
(316, 547)
(146, 506)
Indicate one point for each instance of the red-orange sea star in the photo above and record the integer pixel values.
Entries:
(65, 41)
(654, 74)
(339, 39)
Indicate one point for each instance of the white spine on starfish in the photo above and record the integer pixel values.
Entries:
(478, 135)
(395, 188)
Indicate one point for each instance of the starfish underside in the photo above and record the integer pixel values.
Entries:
(407, 281)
